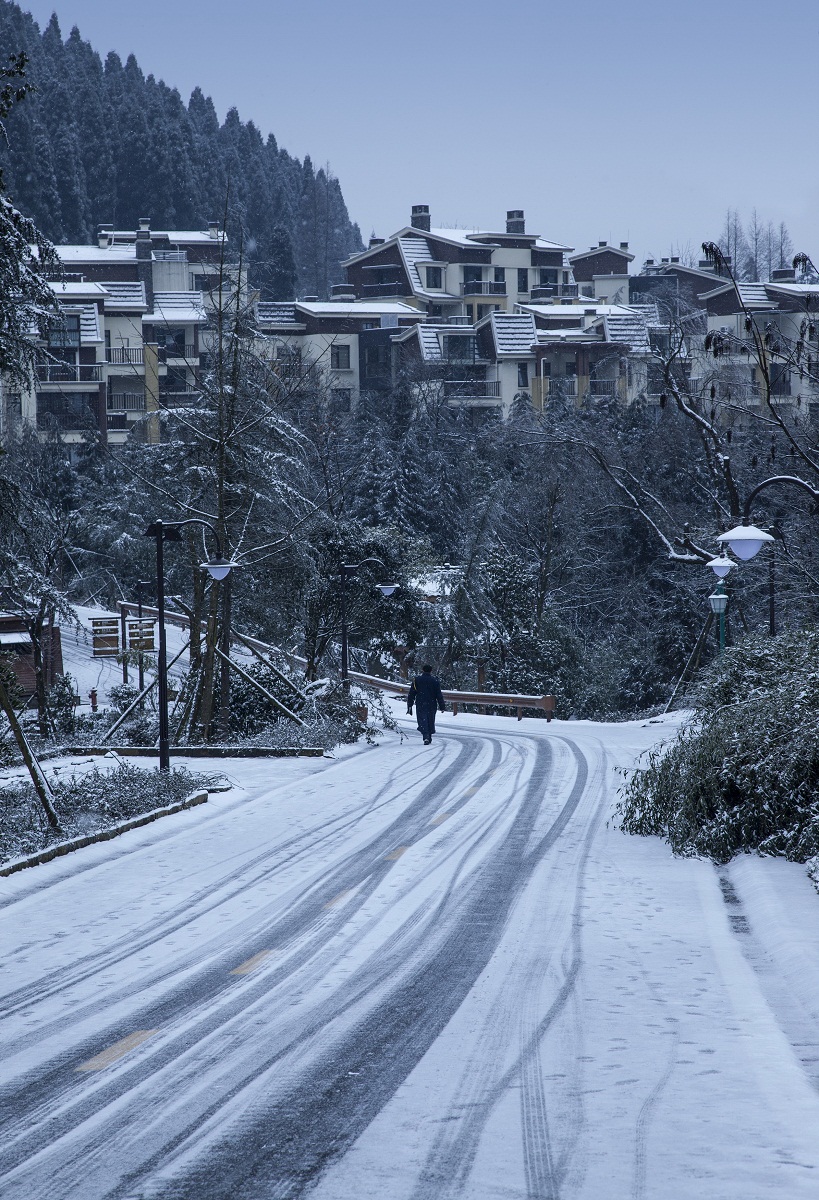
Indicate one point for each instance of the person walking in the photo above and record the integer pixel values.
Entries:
(427, 697)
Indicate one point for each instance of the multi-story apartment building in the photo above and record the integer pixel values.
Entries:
(133, 316)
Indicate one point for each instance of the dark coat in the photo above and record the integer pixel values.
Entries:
(426, 693)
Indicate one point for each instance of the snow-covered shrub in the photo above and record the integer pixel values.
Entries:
(744, 773)
(87, 802)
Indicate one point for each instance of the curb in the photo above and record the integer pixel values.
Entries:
(103, 835)
(198, 751)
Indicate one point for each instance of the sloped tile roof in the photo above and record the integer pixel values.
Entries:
(629, 327)
(89, 324)
(125, 295)
(514, 333)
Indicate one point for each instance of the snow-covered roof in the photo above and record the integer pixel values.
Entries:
(629, 327)
(177, 308)
(96, 254)
(795, 289)
(753, 295)
(545, 336)
(602, 250)
(415, 250)
(513, 333)
(357, 308)
(271, 312)
(173, 235)
(125, 295)
(78, 291)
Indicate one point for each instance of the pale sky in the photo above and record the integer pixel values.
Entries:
(635, 120)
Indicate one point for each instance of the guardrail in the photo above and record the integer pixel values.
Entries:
(458, 700)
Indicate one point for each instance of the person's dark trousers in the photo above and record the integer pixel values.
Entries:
(425, 716)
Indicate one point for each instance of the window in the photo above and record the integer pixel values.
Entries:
(206, 283)
(340, 358)
(523, 279)
(523, 375)
(434, 277)
(546, 369)
(55, 411)
(571, 368)
(173, 340)
(64, 333)
(548, 277)
(500, 275)
(473, 274)
(342, 399)
(460, 348)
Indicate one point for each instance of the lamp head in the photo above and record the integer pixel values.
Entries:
(722, 565)
(745, 540)
(387, 589)
(218, 568)
(718, 602)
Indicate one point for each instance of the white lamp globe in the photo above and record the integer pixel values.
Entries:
(387, 589)
(722, 565)
(718, 602)
(745, 540)
(218, 568)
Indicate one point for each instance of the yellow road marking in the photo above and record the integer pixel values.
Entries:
(252, 963)
(337, 899)
(118, 1050)
(396, 854)
(439, 819)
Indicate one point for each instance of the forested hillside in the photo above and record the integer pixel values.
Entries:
(101, 142)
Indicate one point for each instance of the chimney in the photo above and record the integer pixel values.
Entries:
(665, 260)
(213, 229)
(144, 257)
(649, 262)
(601, 244)
(342, 291)
(420, 217)
(105, 236)
(374, 241)
(783, 275)
(624, 245)
(515, 222)
(675, 259)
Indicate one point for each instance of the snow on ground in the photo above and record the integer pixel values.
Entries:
(455, 978)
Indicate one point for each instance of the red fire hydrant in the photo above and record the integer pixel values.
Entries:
(93, 695)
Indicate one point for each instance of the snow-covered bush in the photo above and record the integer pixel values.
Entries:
(744, 773)
(86, 802)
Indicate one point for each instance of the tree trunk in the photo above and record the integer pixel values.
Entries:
(39, 780)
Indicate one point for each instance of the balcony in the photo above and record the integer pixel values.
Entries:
(177, 350)
(130, 355)
(126, 402)
(603, 387)
(69, 372)
(471, 389)
(373, 290)
(178, 256)
(549, 291)
(482, 287)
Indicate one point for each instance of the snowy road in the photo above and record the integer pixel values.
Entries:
(412, 974)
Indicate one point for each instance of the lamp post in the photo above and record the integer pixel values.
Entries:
(746, 540)
(219, 567)
(346, 570)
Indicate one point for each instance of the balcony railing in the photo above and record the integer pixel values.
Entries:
(126, 402)
(170, 256)
(483, 287)
(603, 387)
(547, 291)
(132, 355)
(176, 350)
(468, 389)
(562, 385)
(69, 373)
(373, 290)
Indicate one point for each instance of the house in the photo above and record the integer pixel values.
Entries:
(134, 314)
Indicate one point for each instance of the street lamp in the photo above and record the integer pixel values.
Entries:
(219, 567)
(746, 540)
(386, 589)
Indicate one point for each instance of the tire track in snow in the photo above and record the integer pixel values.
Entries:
(326, 1109)
(39, 1098)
